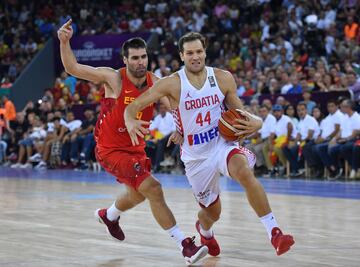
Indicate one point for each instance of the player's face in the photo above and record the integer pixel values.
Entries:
(137, 62)
(193, 56)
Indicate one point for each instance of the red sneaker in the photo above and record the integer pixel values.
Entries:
(191, 252)
(281, 242)
(112, 227)
(211, 243)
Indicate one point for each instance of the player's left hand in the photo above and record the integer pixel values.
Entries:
(176, 138)
(247, 127)
(136, 128)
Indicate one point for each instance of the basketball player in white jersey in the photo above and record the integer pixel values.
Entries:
(198, 95)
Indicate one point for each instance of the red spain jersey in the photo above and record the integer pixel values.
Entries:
(112, 131)
(106, 104)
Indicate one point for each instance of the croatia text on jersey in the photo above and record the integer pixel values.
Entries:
(204, 137)
(206, 101)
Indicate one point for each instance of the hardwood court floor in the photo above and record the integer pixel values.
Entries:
(47, 219)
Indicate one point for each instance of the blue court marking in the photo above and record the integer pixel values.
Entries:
(336, 189)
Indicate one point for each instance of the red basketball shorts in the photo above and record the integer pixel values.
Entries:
(130, 168)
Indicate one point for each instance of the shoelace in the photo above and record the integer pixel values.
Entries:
(191, 241)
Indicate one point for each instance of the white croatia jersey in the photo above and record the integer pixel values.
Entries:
(197, 116)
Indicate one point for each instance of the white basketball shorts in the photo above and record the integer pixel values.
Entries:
(203, 175)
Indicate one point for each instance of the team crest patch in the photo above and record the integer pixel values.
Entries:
(212, 81)
(137, 167)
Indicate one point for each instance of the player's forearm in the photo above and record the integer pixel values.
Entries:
(131, 110)
(68, 58)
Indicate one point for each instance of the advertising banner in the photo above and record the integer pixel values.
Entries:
(98, 50)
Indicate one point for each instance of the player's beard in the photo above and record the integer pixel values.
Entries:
(138, 73)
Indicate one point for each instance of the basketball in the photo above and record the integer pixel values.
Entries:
(226, 122)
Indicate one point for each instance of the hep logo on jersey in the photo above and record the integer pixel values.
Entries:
(201, 138)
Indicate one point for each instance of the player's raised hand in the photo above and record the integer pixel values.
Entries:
(65, 32)
(176, 138)
(136, 128)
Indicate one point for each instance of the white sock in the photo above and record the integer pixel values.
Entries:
(177, 235)
(269, 223)
(206, 233)
(113, 212)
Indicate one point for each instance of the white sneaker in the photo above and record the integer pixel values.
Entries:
(16, 165)
(96, 167)
(41, 165)
(352, 174)
(26, 166)
(35, 158)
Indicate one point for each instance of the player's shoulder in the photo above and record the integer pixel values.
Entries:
(172, 79)
(154, 77)
(222, 75)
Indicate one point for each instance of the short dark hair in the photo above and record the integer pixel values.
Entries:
(266, 107)
(135, 43)
(333, 101)
(351, 104)
(302, 103)
(189, 37)
(56, 119)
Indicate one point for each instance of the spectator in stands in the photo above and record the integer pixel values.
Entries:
(309, 103)
(55, 132)
(70, 126)
(262, 137)
(163, 69)
(296, 87)
(280, 100)
(329, 128)
(26, 145)
(353, 86)
(349, 126)
(17, 130)
(290, 112)
(162, 127)
(10, 111)
(4, 135)
(349, 134)
(286, 84)
(249, 91)
(135, 23)
(351, 29)
(82, 140)
(284, 133)
(308, 132)
(267, 102)
(317, 114)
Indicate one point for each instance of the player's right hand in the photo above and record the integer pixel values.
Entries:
(65, 32)
(176, 138)
(136, 128)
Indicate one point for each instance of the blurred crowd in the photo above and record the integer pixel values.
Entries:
(271, 48)
(301, 136)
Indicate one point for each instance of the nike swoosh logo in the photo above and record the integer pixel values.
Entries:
(128, 91)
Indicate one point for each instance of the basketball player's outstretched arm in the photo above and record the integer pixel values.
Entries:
(164, 87)
(85, 72)
(232, 101)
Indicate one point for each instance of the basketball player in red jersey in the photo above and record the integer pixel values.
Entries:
(114, 150)
(198, 94)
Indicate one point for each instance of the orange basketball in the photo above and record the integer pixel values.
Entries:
(226, 122)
